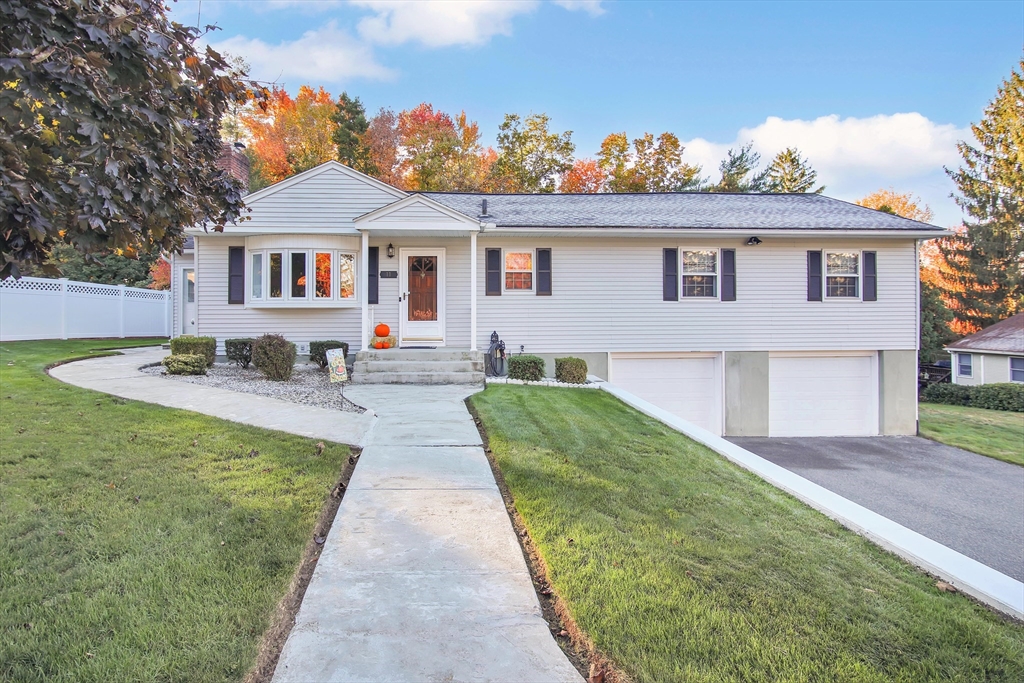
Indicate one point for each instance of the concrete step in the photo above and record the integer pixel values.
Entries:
(362, 366)
(417, 378)
(419, 355)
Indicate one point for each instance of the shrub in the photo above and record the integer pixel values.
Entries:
(1003, 396)
(239, 351)
(318, 350)
(185, 364)
(199, 346)
(274, 356)
(951, 394)
(571, 370)
(526, 368)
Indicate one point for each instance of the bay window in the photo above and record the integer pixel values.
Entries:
(257, 276)
(298, 274)
(301, 277)
(276, 274)
(346, 276)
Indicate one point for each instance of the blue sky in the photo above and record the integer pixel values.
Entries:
(874, 94)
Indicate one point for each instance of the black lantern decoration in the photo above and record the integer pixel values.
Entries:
(391, 251)
(495, 361)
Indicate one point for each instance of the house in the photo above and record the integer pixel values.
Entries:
(996, 354)
(749, 315)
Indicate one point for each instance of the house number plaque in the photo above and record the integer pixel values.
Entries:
(388, 274)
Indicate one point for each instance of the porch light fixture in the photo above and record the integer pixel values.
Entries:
(753, 241)
(391, 251)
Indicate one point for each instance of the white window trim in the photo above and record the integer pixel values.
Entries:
(1009, 364)
(533, 271)
(969, 356)
(718, 273)
(310, 300)
(860, 275)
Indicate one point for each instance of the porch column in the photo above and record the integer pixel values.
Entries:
(364, 287)
(472, 291)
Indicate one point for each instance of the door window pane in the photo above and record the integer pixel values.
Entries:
(323, 275)
(346, 276)
(190, 286)
(276, 277)
(519, 270)
(422, 288)
(257, 276)
(298, 275)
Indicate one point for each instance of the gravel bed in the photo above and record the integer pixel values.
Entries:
(309, 385)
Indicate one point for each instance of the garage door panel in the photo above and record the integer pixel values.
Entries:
(822, 396)
(686, 387)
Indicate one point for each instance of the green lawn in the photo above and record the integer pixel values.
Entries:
(995, 433)
(140, 543)
(682, 567)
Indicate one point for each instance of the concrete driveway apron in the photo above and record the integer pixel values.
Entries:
(421, 577)
(968, 502)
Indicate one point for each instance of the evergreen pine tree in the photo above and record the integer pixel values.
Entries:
(984, 264)
(738, 172)
(790, 172)
(350, 117)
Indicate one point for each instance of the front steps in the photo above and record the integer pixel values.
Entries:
(418, 366)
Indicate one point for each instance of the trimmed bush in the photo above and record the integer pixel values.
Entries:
(185, 364)
(274, 356)
(950, 394)
(198, 346)
(1002, 396)
(571, 370)
(239, 351)
(526, 368)
(318, 350)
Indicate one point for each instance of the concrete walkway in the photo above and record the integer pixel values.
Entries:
(120, 376)
(421, 577)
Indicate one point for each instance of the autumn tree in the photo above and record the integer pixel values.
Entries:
(652, 166)
(290, 136)
(382, 140)
(530, 157)
(441, 152)
(160, 274)
(109, 130)
(903, 204)
(585, 177)
(349, 135)
(790, 172)
(739, 172)
(984, 263)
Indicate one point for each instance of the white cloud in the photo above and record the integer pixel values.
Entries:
(591, 7)
(325, 54)
(439, 23)
(855, 156)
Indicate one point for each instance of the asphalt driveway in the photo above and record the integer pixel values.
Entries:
(965, 501)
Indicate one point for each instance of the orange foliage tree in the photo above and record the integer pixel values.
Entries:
(585, 177)
(903, 204)
(441, 152)
(160, 272)
(291, 135)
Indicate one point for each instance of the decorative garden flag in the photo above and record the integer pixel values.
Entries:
(336, 365)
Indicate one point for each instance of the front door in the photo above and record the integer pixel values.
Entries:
(421, 310)
(188, 301)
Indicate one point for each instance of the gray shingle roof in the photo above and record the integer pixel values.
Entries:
(675, 210)
(1006, 336)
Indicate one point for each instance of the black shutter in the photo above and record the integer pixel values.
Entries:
(670, 275)
(493, 265)
(373, 276)
(814, 276)
(728, 275)
(236, 275)
(870, 276)
(543, 272)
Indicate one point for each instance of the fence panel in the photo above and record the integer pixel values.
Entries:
(38, 308)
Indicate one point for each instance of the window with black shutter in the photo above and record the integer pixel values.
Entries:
(493, 271)
(814, 276)
(236, 275)
(373, 276)
(728, 275)
(870, 276)
(670, 275)
(543, 272)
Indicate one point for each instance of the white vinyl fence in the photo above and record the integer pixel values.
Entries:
(38, 308)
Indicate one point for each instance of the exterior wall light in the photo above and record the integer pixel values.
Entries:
(753, 241)
(391, 251)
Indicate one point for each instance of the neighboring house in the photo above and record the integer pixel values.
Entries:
(781, 315)
(996, 354)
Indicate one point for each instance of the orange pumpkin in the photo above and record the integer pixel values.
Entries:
(379, 345)
(382, 330)
(387, 345)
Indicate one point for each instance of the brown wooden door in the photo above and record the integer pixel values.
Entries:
(422, 288)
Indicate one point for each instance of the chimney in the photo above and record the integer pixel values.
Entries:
(233, 160)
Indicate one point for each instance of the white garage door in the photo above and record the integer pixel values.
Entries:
(822, 395)
(685, 386)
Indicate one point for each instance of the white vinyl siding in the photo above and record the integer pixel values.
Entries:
(607, 296)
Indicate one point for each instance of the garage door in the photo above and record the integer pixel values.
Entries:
(688, 386)
(822, 395)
